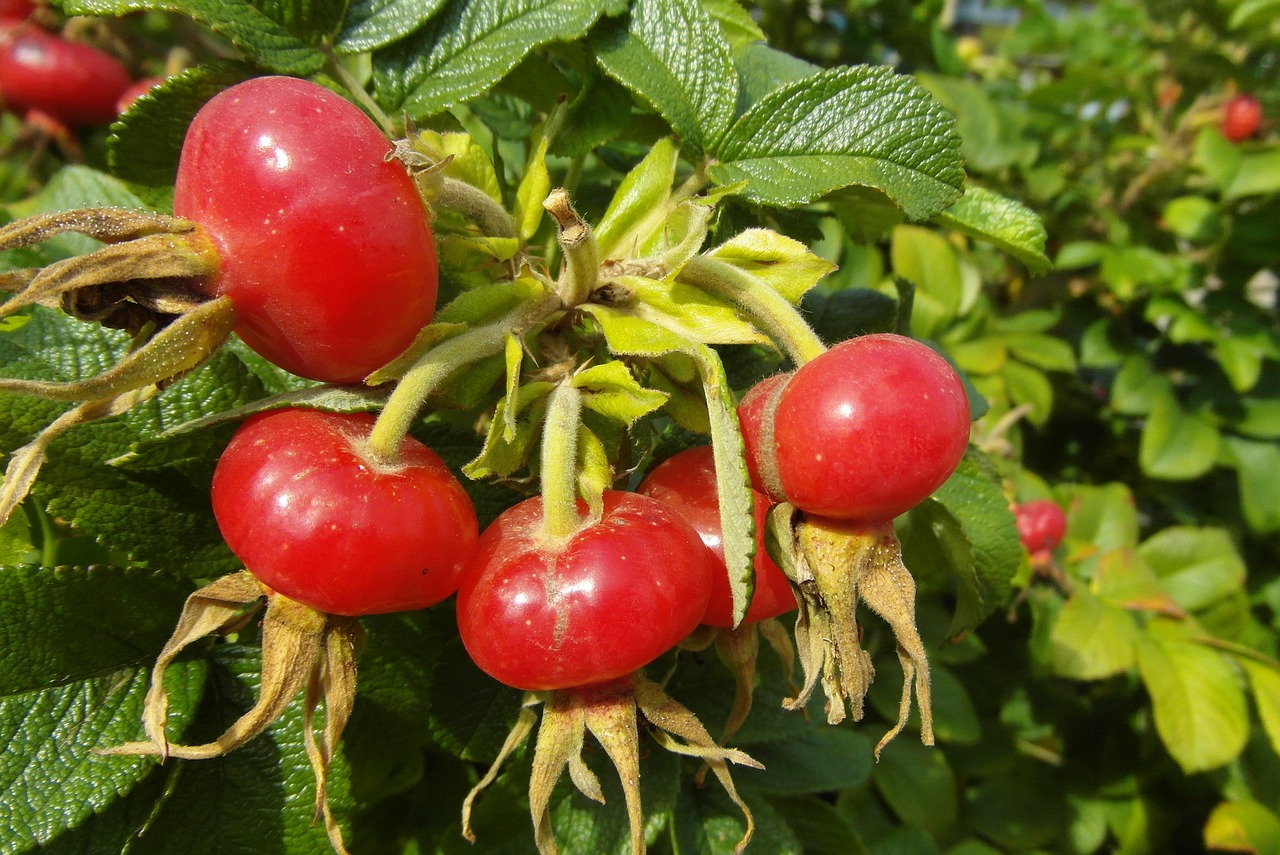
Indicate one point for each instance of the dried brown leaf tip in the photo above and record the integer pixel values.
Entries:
(301, 647)
(613, 713)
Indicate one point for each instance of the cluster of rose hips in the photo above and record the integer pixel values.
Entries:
(317, 250)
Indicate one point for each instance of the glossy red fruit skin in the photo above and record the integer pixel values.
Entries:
(1041, 525)
(301, 505)
(1241, 117)
(867, 430)
(73, 83)
(15, 11)
(324, 243)
(687, 482)
(616, 596)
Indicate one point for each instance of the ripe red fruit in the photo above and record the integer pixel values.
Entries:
(865, 431)
(687, 482)
(43, 74)
(324, 244)
(1041, 525)
(1241, 117)
(299, 501)
(617, 595)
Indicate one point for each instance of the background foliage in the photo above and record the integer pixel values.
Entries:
(1107, 283)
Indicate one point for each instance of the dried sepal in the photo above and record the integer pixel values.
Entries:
(525, 723)
(109, 225)
(611, 713)
(301, 648)
(25, 462)
(671, 719)
(851, 563)
(889, 589)
(172, 352)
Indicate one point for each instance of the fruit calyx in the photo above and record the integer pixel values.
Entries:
(836, 565)
(301, 647)
(611, 712)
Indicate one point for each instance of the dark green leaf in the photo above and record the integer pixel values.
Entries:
(66, 624)
(470, 46)
(973, 496)
(472, 716)
(918, 784)
(286, 36)
(822, 760)
(371, 24)
(673, 55)
(864, 126)
(53, 779)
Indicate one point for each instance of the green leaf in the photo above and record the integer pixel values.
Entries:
(991, 134)
(1243, 826)
(918, 784)
(929, 262)
(1006, 223)
(1021, 809)
(1264, 683)
(286, 37)
(762, 69)
(688, 311)
(66, 624)
(1043, 351)
(864, 126)
(973, 498)
(1197, 566)
(1193, 218)
(53, 779)
(735, 22)
(822, 760)
(145, 143)
(472, 718)
(820, 827)
(673, 55)
(1028, 385)
(640, 204)
(1092, 639)
(849, 312)
(1256, 464)
(1177, 445)
(533, 189)
(611, 390)
(371, 24)
(1258, 175)
(1199, 707)
(1139, 388)
(469, 47)
(1102, 515)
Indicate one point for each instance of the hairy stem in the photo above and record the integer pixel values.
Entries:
(766, 308)
(560, 517)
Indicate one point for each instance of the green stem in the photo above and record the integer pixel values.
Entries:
(691, 185)
(437, 365)
(581, 253)
(476, 205)
(361, 95)
(766, 308)
(559, 475)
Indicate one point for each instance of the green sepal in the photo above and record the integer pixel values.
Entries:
(503, 457)
(785, 264)
(640, 204)
(691, 312)
(534, 187)
(610, 390)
